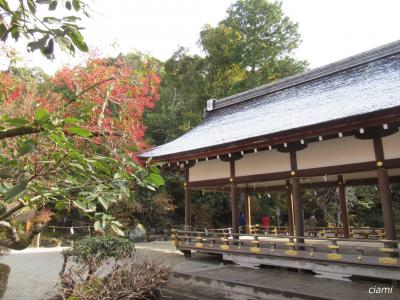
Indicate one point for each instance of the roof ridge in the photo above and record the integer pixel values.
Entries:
(343, 64)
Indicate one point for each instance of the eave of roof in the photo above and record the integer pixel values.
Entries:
(386, 116)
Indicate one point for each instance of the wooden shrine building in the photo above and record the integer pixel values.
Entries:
(334, 126)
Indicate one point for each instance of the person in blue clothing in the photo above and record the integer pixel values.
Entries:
(242, 221)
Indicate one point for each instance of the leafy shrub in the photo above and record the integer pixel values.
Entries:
(137, 280)
(101, 247)
(106, 268)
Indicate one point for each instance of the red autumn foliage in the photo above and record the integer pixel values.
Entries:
(114, 94)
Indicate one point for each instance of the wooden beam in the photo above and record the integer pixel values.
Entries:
(344, 216)
(188, 212)
(292, 146)
(209, 183)
(311, 185)
(312, 172)
(263, 177)
(234, 200)
(289, 204)
(296, 194)
(232, 157)
(376, 132)
(340, 169)
(384, 191)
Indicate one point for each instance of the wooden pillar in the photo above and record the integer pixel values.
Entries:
(289, 204)
(384, 191)
(247, 211)
(344, 215)
(234, 199)
(296, 194)
(188, 212)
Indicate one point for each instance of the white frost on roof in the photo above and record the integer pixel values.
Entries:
(367, 88)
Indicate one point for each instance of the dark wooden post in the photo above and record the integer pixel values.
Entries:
(234, 200)
(247, 211)
(384, 191)
(187, 200)
(344, 215)
(296, 194)
(289, 207)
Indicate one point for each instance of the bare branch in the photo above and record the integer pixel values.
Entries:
(19, 131)
(12, 210)
(95, 85)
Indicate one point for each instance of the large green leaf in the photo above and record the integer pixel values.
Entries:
(104, 202)
(41, 115)
(17, 121)
(155, 179)
(71, 120)
(77, 38)
(4, 5)
(76, 5)
(32, 6)
(79, 131)
(101, 167)
(3, 32)
(117, 230)
(16, 190)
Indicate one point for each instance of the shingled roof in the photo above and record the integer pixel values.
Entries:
(353, 87)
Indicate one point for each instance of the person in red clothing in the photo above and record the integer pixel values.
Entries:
(265, 222)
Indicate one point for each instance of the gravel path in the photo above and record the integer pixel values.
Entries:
(34, 273)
